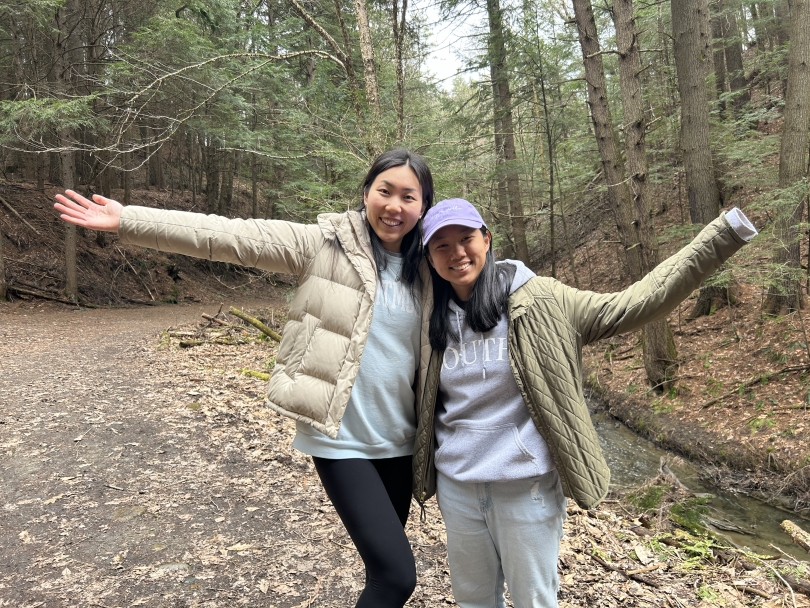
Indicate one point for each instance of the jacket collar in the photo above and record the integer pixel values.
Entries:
(351, 230)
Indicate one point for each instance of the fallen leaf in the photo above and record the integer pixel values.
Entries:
(50, 501)
(239, 547)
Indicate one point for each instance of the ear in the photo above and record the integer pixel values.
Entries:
(430, 260)
(488, 239)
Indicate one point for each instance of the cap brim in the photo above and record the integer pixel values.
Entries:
(452, 222)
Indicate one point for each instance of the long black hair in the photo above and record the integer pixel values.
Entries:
(489, 300)
(411, 247)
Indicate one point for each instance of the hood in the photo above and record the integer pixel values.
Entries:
(522, 274)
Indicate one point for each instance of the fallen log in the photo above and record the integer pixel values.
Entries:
(801, 586)
(255, 323)
(799, 536)
(28, 292)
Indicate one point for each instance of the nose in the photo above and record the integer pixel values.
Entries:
(458, 251)
(394, 204)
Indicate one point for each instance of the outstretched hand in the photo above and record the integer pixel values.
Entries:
(99, 214)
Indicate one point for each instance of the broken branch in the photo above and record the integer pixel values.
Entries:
(19, 217)
(255, 323)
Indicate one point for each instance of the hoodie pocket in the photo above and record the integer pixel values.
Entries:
(475, 453)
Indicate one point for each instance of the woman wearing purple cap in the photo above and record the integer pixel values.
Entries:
(504, 434)
(355, 319)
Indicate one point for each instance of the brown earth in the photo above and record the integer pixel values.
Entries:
(139, 473)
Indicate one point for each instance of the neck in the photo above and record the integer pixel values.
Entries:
(462, 294)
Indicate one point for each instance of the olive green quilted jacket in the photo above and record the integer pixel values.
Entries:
(549, 323)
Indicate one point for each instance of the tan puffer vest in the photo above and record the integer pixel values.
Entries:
(331, 311)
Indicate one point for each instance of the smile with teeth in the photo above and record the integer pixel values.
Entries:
(460, 267)
(390, 223)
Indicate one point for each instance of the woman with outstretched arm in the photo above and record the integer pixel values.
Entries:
(504, 434)
(350, 351)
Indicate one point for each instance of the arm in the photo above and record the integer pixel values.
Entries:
(272, 245)
(596, 316)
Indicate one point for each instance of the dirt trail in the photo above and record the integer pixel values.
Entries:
(134, 475)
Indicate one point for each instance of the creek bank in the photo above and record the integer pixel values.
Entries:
(726, 463)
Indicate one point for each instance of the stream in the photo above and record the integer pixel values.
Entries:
(633, 460)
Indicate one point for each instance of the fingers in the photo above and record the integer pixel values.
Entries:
(78, 198)
(73, 220)
(100, 200)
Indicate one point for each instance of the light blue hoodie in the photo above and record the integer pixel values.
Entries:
(483, 429)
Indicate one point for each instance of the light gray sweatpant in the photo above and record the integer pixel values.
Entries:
(503, 532)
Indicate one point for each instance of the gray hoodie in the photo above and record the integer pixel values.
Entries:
(483, 429)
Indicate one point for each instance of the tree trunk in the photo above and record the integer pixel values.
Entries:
(613, 169)
(254, 187)
(704, 20)
(793, 161)
(734, 61)
(718, 40)
(227, 184)
(701, 187)
(660, 354)
(65, 19)
(212, 177)
(505, 150)
(3, 285)
(370, 74)
(398, 23)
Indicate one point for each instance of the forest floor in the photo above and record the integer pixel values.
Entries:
(139, 473)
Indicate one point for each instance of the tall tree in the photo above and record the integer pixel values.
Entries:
(3, 284)
(66, 19)
(793, 162)
(660, 353)
(691, 53)
(731, 41)
(509, 190)
(398, 26)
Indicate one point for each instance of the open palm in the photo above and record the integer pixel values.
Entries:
(98, 214)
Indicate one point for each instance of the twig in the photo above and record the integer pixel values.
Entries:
(19, 217)
(214, 319)
(646, 569)
(136, 273)
(753, 590)
(779, 576)
(635, 577)
(757, 380)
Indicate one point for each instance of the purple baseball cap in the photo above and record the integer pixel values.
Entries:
(450, 212)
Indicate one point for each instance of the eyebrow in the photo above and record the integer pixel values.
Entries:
(407, 188)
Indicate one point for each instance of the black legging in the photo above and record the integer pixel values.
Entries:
(372, 498)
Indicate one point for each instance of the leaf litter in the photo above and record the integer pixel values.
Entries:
(139, 473)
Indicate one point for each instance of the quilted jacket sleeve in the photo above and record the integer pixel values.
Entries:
(595, 316)
(271, 245)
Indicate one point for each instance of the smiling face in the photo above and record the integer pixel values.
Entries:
(458, 255)
(394, 205)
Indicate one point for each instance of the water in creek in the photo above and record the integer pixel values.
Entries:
(634, 460)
